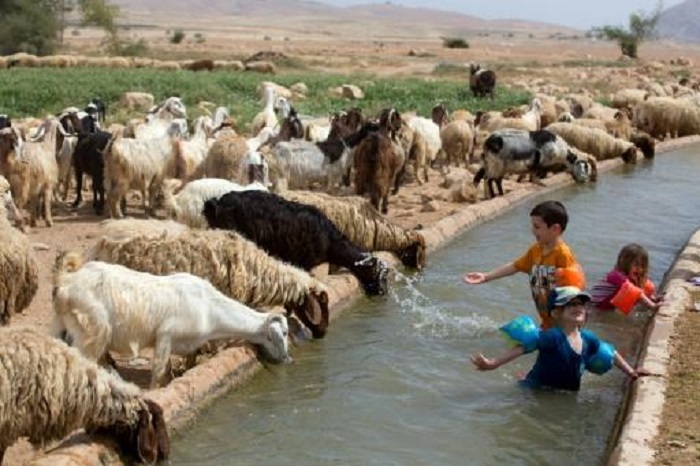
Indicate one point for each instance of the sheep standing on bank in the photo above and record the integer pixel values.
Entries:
(595, 142)
(365, 227)
(295, 233)
(49, 390)
(104, 307)
(234, 265)
(18, 265)
(457, 142)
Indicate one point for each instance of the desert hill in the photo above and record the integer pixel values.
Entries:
(154, 10)
(681, 22)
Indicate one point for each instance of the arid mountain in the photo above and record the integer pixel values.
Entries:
(303, 8)
(681, 22)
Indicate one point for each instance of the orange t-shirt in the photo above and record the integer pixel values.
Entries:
(541, 269)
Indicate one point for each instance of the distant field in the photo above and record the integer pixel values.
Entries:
(35, 92)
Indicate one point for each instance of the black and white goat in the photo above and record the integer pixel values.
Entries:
(527, 152)
(295, 233)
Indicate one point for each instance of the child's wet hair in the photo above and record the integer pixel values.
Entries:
(551, 213)
(630, 254)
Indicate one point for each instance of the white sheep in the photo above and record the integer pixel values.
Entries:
(104, 307)
(20, 269)
(50, 390)
(233, 264)
(188, 204)
(661, 117)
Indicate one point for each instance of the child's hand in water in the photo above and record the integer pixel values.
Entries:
(482, 362)
(474, 278)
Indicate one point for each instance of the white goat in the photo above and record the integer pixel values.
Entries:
(104, 307)
(267, 117)
(138, 163)
(190, 154)
(160, 117)
(187, 205)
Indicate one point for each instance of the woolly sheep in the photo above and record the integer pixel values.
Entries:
(50, 390)
(233, 264)
(102, 307)
(595, 142)
(20, 269)
(664, 116)
(457, 142)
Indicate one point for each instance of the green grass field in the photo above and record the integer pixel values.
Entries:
(37, 91)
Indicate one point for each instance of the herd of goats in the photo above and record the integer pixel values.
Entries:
(249, 220)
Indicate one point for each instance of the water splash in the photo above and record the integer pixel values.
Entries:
(428, 319)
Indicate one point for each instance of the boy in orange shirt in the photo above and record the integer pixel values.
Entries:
(544, 261)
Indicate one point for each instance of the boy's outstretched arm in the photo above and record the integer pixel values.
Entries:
(486, 364)
(475, 278)
(624, 366)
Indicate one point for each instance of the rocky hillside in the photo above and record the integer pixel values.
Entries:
(681, 22)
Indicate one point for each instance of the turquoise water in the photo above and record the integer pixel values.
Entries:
(392, 384)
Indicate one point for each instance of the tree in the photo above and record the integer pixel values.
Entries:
(642, 26)
(27, 28)
(36, 26)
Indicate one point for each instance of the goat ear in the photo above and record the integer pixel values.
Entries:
(146, 443)
(161, 430)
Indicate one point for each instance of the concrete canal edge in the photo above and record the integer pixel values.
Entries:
(185, 396)
(646, 397)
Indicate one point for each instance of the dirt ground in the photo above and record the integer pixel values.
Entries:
(678, 442)
(345, 49)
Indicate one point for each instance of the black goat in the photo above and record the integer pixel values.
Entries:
(5, 122)
(481, 82)
(88, 159)
(295, 233)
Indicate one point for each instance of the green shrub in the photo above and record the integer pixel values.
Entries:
(178, 36)
(455, 43)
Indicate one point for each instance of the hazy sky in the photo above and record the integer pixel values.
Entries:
(581, 14)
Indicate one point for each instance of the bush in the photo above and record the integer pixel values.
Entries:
(455, 43)
(128, 48)
(178, 36)
(199, 38)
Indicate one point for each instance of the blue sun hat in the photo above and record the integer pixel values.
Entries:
(563, 295)
(523, 331)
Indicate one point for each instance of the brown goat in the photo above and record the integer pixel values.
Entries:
(379, 164)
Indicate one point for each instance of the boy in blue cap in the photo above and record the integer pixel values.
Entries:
(564, 351)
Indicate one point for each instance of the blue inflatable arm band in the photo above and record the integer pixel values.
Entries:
(602, 361)
(523, 331)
